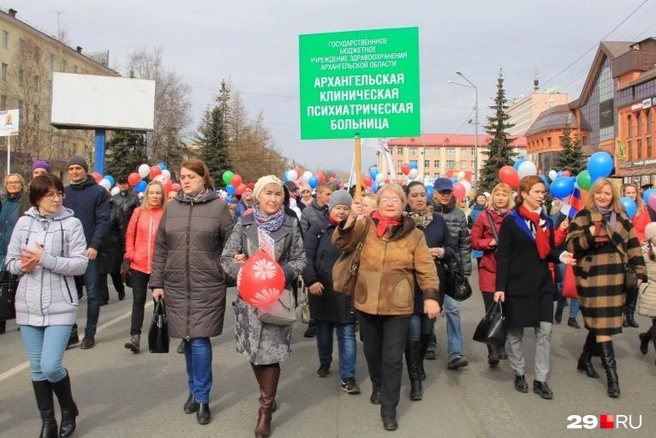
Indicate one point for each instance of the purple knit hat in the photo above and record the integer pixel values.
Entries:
(41, 164)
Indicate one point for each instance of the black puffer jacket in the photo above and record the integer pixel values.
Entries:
(186, 265)
(110, 257)
(321, 256)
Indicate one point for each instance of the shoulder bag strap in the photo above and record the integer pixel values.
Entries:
(493, 226)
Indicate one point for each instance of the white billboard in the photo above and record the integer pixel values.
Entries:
(89, 102)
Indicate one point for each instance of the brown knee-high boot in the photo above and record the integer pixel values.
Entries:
(267, 377)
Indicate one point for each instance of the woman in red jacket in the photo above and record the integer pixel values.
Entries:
(139, 250)
(484, 238)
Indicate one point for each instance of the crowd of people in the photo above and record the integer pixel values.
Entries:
(188, 248)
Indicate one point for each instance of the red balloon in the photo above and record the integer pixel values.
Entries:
(652, 201)
(260, 280)
(154, 171)
(367, 181)
(459, 191)
(321, 177)
(240, 189)
(176, 187)
(566, 173)
(134, 178)
(235, 181)
(405, 168)
(96, 176)
(508, 175)
(166, 182)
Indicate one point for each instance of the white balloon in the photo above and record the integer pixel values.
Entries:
(114, 191)
(526, 168)
(413, 173)
(144, 170)
(467, 185)
(292, 175)
(461, 176)
(564, 209)
(104, 183)
(307, 175)
(167, 173)
(380, 178)
(553, 175)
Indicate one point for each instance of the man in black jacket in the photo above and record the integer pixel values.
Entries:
(90, 203)
(126, 199)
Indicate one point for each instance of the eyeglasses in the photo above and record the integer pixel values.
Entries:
(13, 183)
(390, 201)
(53, 195)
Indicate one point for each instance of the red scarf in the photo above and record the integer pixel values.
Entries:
(383, 223)
(541, 234)
(332, 219)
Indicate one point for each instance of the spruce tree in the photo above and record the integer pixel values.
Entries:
(571, 157)
(213, 139)
(499, 151)
(126, 150)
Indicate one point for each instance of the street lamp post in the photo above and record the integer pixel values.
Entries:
(471, 85)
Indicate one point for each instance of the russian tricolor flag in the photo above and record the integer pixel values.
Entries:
(575, 202)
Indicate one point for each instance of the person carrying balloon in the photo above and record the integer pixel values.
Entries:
(186, 273)
(264, 345)
(640, 221)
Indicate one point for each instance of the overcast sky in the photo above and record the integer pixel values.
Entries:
(255, 43)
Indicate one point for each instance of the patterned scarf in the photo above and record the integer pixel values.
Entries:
(610, 215)
(383, 223)
(194, 198)
(422, 218)
(268, 223)
(541, 234)
(500, 211)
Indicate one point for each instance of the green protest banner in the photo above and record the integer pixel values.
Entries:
(362, 82)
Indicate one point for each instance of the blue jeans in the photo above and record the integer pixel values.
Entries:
(345, 342)
(198, 356)
(420, 325)
(45, 348)
(453, 329)
(91, 277)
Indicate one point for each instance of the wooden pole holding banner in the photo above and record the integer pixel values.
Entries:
(358, 165)
(8, 154)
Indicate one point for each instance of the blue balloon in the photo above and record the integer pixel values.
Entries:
(140, 187)
(600, 165)
(110, 179)
(562, 186)
(629, 206)
(413, 165)
(373, 172)
(454, 179)
(647, 194)
(545, 179)
(230, 189)
(559, 174)
(374, 187)
(313, 181)
(429, 192)
(161, 166)
(517, 164)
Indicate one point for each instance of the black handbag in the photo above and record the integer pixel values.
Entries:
(492, 328)
(8, 287)
(456, 283)
(158, 334)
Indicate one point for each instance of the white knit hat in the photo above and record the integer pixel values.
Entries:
(265, 181)
(650, 230)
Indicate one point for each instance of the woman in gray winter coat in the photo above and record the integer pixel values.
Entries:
(47, 249)
(186, 272)
(264, 345)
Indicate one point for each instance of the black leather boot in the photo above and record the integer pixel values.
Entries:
(45, 403)
(644, 341)
(424, 342)
(413, 360)
(493, 355)
(610, 365)
(629, 308)
(585, 359)
(68, 407)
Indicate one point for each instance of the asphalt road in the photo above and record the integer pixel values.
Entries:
(121, 394)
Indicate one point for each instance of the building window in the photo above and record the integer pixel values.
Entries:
(3, 102)
(629, 125)
(20, 77)
(426, 163)
(399, 163)
(75, 69)
(463, 164)
(450, 151)
(64, 65)
(5, 39)
(450, 164)
(649, 147)
(436, 163)
(399, 150)
(473, 164)
(5, 71)
(548, 141)
(51, 61)
(20, 105)
(639, 148)
(650, 122)
(413, 151)
(638, 124)
(629, 149)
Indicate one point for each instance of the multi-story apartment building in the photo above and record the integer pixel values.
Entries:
(28, 58)
(524, 110)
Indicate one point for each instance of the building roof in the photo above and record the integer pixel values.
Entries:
(454, 140)
(651, 74)
(558, 117)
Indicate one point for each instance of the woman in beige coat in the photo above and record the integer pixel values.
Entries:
(648, 296)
